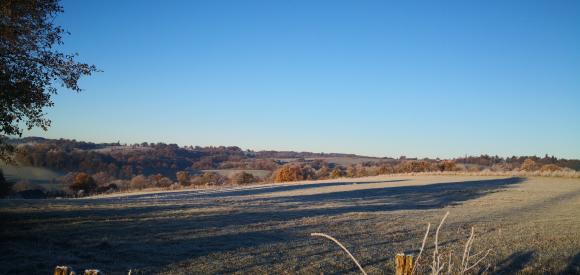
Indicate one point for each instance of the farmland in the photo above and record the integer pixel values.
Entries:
(531, 224)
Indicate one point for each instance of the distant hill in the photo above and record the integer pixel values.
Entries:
(125, 161)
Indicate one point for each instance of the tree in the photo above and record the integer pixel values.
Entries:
(5, 186)
(31, 67)
(287, 173)
(83, 181)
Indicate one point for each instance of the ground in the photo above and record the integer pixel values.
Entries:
(532, 225)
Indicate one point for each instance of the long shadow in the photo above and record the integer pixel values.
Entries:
(165, 239)
(574, 265)
(515, 262)
(244, 191)
(280, 208)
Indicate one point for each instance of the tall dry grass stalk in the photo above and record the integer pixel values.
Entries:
(413, 271)
(437, 267)
(468, 261)
(343, 248)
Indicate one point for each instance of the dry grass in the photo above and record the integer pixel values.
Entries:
(468, 261)
(532, 225)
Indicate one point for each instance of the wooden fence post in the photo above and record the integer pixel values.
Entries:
(63, 270)
(403, 264)
(408, 265)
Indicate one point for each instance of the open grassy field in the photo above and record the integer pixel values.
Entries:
(531, 224)
(231, 172)
(37, 175)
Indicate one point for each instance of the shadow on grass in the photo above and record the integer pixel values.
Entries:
(574, 265)
(247, 190)
(154, 236)
(515, 262)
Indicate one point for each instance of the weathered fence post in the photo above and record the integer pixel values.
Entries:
(408, 265)
(403, 264)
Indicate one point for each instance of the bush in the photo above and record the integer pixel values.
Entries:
(323, 172)
(529, 165)
(447, 165)
(550, 168)
(386, 169)
(243, 178)
(337, 173)
(182, 177)
(83, 182)
(139, 182)
(5, 186)
(111, 187)
(210, 178)
(288, 173)
(356, 171)
(414, 166)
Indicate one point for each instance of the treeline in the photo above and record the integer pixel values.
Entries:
(124, 162)
(514, 162)
(109, 167)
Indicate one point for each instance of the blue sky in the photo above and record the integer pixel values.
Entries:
(380, 78)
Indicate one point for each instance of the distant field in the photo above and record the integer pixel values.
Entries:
(335, 160)
(230, 172)
(347, 160)
(36, 175)
(531, 224)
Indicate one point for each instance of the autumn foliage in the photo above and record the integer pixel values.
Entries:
(243, 178)
(83, 182)
(529, 165)
(287, 173)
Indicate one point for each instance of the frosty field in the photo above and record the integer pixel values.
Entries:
(532, 225)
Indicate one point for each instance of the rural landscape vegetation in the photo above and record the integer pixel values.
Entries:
(120, 184)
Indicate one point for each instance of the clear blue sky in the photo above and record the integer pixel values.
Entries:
(381, 78)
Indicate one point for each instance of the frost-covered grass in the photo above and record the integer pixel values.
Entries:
(531, 224)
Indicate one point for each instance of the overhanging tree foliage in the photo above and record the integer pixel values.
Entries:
(31, 68)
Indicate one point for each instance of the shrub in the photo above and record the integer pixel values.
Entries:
(323, 172)
(414, 166)
(288, 173)
(83, 182)
(139, 182)
(351, 171)
(166, 182)
(210, 178)
(102, 178)
(5, 186)
(550, 168)
(529, 165)
(160, 181)
(386, 169)
(337, 173)
(243, 178)
(182, 177)
(111, 187)
(447, 165)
